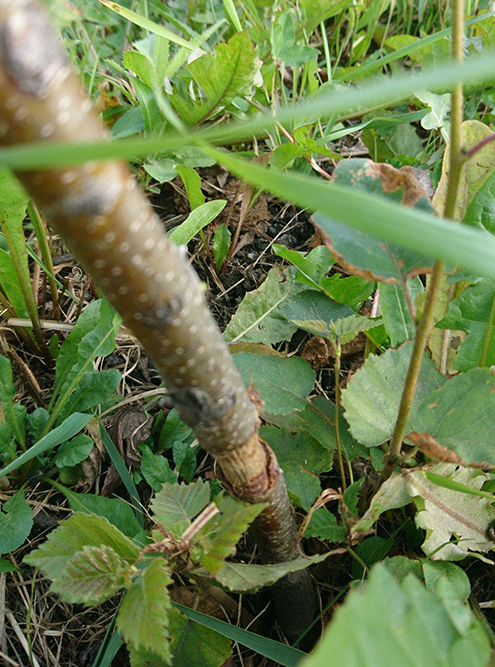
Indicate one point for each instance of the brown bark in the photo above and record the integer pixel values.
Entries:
(108, 223)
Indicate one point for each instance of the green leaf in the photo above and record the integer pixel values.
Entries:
(351, 290)
(243, 578)
(141, 66)
(284, 48)
(460, 415)
(418, 231)
(226, 73)
(219, 537)
(324, 525)
(365, 255)
(447, 514)
(474, 173)
(176, 504)
(317, 419)
(279, 653)
(94, 338)
(321, 316)
(192, 183)
(16, 521)
(156, 469)
(259, 318)
(194, 645)
(7, 566)
(185, 458)
(302, 459)
(196, 221)
(397, 318)
(143, 615)
(93, 575)
(435, 570)
(372, 396)
(13, 203)
(117, 511)
(94, 388)
(456, 523)
(221, 245)
(7, 393)
(73, 452)
(439, 106)
(283, 383)
(72, 535)
(310, 268)
(69, 428)
(413, 627)
(473, 311)
(145, 23)
(10, 284)
(481, 210)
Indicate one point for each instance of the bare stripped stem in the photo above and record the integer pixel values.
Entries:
(455, 166)
(110, 226)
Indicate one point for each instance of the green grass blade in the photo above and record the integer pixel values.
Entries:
(378, 91)
(280, 653)
(127, 480)
(68, 429)
(411, 228)
(407, 50)
(145, 23)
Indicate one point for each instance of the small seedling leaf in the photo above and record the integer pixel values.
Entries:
(16, 521)
(176, 504)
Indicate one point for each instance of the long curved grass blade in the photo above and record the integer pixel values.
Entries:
(411, 228)
(378, 91)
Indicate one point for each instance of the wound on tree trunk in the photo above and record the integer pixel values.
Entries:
(107, 221)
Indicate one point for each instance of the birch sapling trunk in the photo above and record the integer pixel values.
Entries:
(107, 221)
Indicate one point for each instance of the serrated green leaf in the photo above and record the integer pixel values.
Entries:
(16, 521)
(283, 383)
(243, 578)
(73, 452)
(194, 645)
(176, 504)
(219, 537)
(156, 469)
(472, 312)
(460, 415)
(372, 396)
(324, 525)
(118, 512)
(260, 316)
(72, 536)
(314, 312)
(199, 218)
(141, 66)
(226, 73)
(143, 615)
(93, 575)
(413, 628)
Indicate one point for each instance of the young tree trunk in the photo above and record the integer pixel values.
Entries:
(106, 220)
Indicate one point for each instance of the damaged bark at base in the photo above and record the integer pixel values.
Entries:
(106, 220)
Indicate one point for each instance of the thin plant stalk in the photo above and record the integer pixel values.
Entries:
(338, 353)
(40, 231)
(110, 226)
(456, 160)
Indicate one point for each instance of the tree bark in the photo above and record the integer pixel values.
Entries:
(107, 221)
